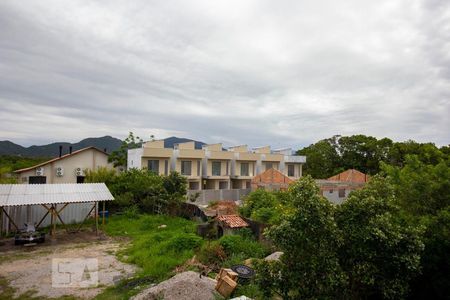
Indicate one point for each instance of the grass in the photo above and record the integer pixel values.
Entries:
(157, 251)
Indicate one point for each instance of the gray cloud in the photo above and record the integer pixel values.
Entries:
(285, 73)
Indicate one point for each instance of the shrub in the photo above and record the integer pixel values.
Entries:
(236, 244)
(212, 254)
(264, 206)
(181, 242)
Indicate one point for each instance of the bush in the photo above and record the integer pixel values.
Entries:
(131, 212)
(212, 254)
(236, 244)
(264, 206)
(181, 242)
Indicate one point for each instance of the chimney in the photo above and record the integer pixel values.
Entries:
(60, 150)
(104, 150)
(70, 150)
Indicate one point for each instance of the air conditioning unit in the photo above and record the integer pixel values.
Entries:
(79, 172)
(59, 171)
(40, 171)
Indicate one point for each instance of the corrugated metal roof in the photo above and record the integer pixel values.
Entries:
(232, 221)
(31, 194)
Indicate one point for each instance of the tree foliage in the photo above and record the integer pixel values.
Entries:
(421, 191)
(261, 206)
(364, 153)
(381, 251)
(119, 156)
(146, 190)
(309, 237)
(361, 249)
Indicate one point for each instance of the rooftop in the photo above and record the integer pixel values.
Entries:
(232, 221)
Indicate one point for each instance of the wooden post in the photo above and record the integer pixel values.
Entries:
(55, 220)
(51, 221)
(1, 222)
(96, 217)
(103, 220)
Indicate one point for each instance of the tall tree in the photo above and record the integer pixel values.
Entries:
(119, 156)
(309, 237)
(364, 153)
(322, 158)
(381, 251)
(422, 192)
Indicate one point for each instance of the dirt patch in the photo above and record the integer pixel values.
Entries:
(222, 208)
(184, 286)
(30, 269)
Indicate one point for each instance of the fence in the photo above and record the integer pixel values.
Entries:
(207, 196)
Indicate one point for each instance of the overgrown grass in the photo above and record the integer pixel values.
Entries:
(156, 250)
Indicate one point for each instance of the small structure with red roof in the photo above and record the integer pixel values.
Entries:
(228, 224)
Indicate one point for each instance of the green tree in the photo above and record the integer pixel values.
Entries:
(428, 153)
(260, 205)
(421, 189)
(434, 280)
(5, 175)
(119, 156)
(175, 187)
(322, 158)
(102, 174)
(422, 193)
(141, 188)
(381, 251)
(309, 237)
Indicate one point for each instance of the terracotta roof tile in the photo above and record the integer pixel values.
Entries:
(232, 221)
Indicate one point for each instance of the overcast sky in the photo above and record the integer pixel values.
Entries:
(285, 73)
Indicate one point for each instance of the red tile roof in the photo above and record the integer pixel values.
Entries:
(271, 176)
(232, 221)
(350, 175)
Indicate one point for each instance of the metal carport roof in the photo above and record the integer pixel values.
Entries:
(35, 194)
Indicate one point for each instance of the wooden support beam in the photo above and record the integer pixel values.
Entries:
(96, 217)
(103, 220)
(52, 231)
(1, 222)
(81, 224)
(43, 218)
(9, 218)
(65, 205)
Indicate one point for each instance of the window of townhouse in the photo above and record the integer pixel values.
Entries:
(216, 166)
(291, 172)
(269, 165)
(341, 193)
(186, 167)
(244, 169)
(153, 166)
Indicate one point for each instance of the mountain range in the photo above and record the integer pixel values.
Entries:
(52, 150)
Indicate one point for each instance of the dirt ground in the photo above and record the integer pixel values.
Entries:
(30, 268)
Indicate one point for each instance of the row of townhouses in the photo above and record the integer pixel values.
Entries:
(212, 166)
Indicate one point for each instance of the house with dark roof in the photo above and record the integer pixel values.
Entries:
(68, 168)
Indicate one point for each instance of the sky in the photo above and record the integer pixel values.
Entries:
(284, 73)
